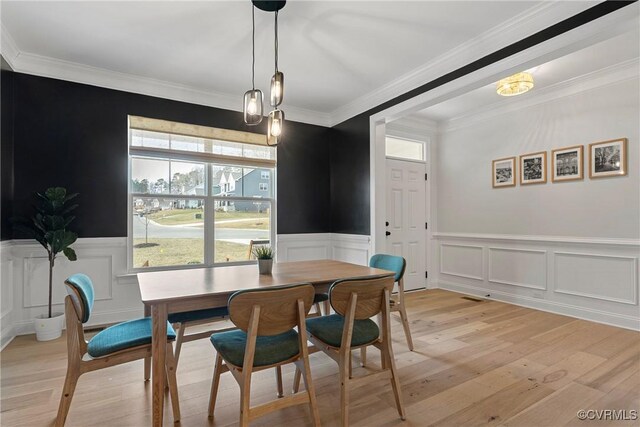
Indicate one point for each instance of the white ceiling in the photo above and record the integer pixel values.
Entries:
(332, 53)
(602, 57)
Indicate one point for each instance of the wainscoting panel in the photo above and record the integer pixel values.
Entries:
(6, 294)
(352, 248)
(604, 277)
(303, 247)
(466, 261)
(518, 267)
(36, 278)
(593, 279)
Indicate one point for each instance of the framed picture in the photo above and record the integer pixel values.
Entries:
(566, 164)
(608, 158)
(533, 168)
(503, 172)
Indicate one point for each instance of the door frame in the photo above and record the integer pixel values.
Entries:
(603, 28)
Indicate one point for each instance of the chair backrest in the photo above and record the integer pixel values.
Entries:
(278, 307)
(80, 289)
(393, 263)
(370, 295)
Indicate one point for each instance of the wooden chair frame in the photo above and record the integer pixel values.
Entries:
(242, 374)
(80, 362)
(397, 304)
(342, 355)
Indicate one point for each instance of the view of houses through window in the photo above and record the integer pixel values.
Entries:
(190, 207)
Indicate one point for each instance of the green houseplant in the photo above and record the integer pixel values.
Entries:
(49, 227)
(264, 255)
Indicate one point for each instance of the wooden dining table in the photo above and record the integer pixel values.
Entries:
(174, 291)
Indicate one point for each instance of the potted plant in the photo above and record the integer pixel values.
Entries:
(264, 255)
(49, 227)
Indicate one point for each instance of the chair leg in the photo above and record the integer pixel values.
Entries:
(173, 384)
(363, 356)
(147, 368)
(327, 308)
(311, 391)
(395, 379)
(245, 395)
(70, 382)
(279, 381)
(296, 380)
(215, 382)
(179, 340)
(405, 326)
(316, 307)
(344, 388)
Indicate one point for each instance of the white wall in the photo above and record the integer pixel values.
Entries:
(571, 247)
(608, 208)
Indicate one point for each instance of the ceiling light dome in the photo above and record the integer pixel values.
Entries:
(515, 85)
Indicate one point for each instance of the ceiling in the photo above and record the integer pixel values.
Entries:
(583, 64)
(332, 53)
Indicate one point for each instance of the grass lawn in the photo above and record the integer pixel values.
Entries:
(184, 251)
(188, 216)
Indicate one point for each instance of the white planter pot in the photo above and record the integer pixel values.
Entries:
(49, 328)
(265, 265)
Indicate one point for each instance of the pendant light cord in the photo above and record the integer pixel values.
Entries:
(253, 47)
(276, 41)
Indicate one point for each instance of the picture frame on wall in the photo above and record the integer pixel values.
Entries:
(608, 158)
(567, 164)
(503, 172)
(533, 168)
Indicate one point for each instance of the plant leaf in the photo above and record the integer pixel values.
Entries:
(70, 254)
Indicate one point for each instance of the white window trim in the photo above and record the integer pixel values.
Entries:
(209, 212)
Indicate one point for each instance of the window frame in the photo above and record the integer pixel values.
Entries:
(407, 159)
(209, 160)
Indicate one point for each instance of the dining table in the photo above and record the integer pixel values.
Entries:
(174, 291)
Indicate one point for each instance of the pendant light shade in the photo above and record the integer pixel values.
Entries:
(277, 88)
(253, 99)
(253, 107)
(276, 122)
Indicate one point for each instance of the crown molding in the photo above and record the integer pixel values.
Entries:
(521, 26)
(8, 47)
(44, 66)
(613, 74)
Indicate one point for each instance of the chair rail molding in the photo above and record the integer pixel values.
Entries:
(589, 278)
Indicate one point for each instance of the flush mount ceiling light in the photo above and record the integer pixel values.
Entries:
(515, 85)
(252, 106)
(276, 117)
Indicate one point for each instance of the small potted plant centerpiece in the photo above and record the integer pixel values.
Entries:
(49, 227)
(264, 255)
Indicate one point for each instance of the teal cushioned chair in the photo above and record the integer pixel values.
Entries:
(398, 265)
(355, 301)
(265, 338)
(114, 345)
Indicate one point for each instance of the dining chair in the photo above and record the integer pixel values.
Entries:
(117, 344)
(355, 301)
(398, 265)
(265, 338)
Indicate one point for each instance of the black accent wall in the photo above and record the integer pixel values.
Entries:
(350, 207)
(6, 150)
(75, 135)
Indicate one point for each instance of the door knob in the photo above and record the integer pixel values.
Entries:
(387, 233)
(386, 223)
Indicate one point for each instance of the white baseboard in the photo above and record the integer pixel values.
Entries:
(608, 318)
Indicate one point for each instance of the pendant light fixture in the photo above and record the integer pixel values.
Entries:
(276, 117)
(252, 107)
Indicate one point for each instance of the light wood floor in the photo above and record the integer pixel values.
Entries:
(475, 363)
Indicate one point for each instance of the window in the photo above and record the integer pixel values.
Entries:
(195, 198)
(404, 149)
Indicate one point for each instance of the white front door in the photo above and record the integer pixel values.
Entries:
(406, 216)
